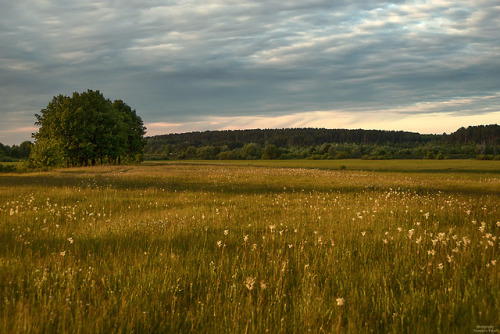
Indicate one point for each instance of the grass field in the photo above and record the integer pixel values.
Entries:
(261, 246)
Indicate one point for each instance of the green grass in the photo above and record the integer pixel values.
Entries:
(410, 166)
(226, 247)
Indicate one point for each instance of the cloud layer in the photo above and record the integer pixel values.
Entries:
(196, 62)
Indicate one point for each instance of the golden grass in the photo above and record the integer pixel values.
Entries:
(234, 248)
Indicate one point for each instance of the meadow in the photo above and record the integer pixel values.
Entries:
(252, 247)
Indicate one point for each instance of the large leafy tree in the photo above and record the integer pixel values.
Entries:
(87, 129)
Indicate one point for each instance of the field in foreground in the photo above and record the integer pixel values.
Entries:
(234, 248)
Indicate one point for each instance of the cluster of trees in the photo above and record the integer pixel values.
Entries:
(86, 129)
(482, 143)
(15, 152)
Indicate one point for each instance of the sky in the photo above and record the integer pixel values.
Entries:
(428, 66)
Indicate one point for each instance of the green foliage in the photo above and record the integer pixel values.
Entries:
(14, 152)
(85, 129)
(7, 168)
(47, 152)
(317, 144)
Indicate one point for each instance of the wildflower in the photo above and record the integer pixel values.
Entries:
(245, 238)
(263, 285)
(70, 240)
(431, 252)
(363, 233)
(219, 243)
(493, 262)
(340, 301)
(449, 258)
(272, 227)
(440, 266)
(385, 241)
(63, 253)
(249, 282)
(410, 233)
(226, 232)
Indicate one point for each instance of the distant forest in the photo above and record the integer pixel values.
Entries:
(479, 142)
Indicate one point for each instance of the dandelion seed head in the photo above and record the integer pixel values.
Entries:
(249, 282)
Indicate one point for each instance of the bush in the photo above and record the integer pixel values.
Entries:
(7, 168)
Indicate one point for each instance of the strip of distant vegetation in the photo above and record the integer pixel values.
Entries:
(478, 142)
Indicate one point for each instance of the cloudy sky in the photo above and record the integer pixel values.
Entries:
(187, 65)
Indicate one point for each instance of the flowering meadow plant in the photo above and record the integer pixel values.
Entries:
(236, 248)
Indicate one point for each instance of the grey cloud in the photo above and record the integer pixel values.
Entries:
(173, 60)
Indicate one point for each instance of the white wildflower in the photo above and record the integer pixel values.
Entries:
(249, 282)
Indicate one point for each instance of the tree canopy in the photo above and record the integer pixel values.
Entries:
(87, 128)
(481, 142)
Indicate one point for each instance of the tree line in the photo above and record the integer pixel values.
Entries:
(481, 142)
(15, 152)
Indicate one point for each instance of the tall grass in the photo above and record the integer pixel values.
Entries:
(223, 248)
